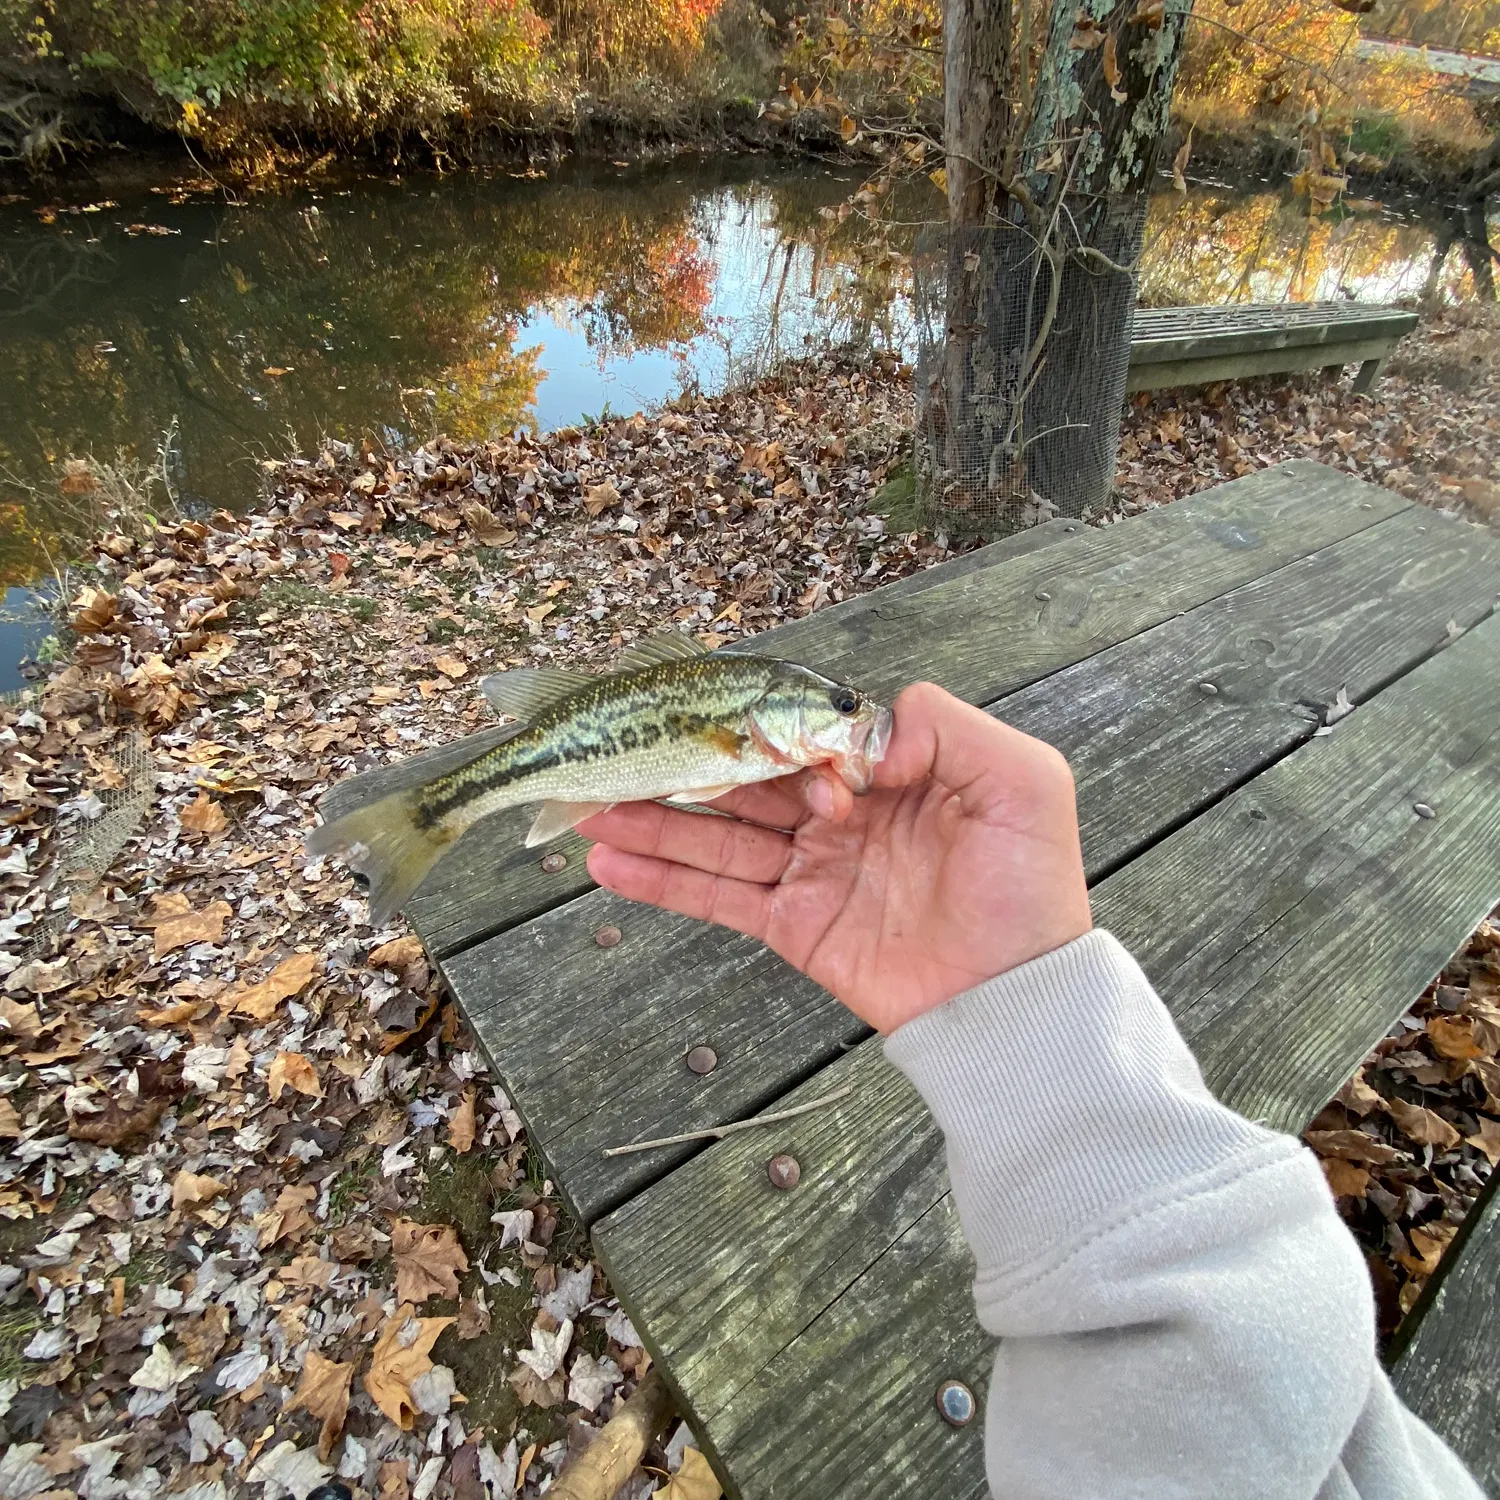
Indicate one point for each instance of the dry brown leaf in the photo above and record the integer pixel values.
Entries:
(1345, 1178)
(1422, 1125)
(428, 1260)
(1486, 1139)
(395, 1479)
(539, 612)
(695, 1480)
(20, 1023)
(1429, 1242)
(406, 956)
(532, 1390)
(174, 1015)
(473, 1316)
(203, 815)
(1351, 1145)
(599, 498)
(1112, 75)
(1358, 1097)
(461, 1124)
(1484, 1016)
(189, 1189)
(1487, 1072)
(287, 1218)
(1179, 163)
(182, 930)
(116, 1126)
(1453, 1037)
(324, 1392)
(451, 666)
(401, 1354)
(10, 1121)
(291, 1070)
(288, 978)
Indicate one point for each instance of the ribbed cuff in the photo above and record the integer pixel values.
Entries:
(1064, 1092)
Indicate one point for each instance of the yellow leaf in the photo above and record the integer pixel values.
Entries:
(1345, 1178)
(277, 371)
(203, 815)
(1112, 75)
(400, 1356)
(940, 178)
(461, 1124)
(848, 129)
(324, 1392)
(539, 612)
(291, 1070)
(450, 666)
(695, 1480)
(1179, 163)
(1453, 1037)
(288, 978)
(1487, 1140)
(1428, 1242)
(189, 1189)
(428, 1260)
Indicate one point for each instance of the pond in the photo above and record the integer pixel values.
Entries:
(183, 335)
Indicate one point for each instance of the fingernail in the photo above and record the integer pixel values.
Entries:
(820, 797)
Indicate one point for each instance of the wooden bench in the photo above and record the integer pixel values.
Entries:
(1174, 346)
(1276, 884)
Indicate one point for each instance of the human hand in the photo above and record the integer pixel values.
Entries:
(963, 862)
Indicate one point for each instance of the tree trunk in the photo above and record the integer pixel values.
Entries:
(1047, 179)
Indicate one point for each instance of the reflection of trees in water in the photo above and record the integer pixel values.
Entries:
(1215, 247)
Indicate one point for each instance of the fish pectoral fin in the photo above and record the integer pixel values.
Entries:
(558, 817)
(656, 649)
(523, 692)
(701, 794)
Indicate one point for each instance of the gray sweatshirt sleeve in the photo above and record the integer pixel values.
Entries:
(1182, 1313)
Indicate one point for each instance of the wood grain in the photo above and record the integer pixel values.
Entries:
(1286, 928)
(590, 1042)
(1101, 586)
(1448, 1374)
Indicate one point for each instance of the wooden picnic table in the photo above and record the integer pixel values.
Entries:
(1290, 875)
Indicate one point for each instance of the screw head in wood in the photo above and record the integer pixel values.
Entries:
(784, 1171)
(607, 937)
(1422, 810)
(1209, 689)
(552, 863)
(702, 1059)
(1043, 595)
(955, 1403)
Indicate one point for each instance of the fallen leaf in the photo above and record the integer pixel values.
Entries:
(1428, 1242)
(1358, 1097)
(288, 978)
(1345, 1178)
(400, 1356)
(695, 1480)
(1487, 1072)
(189, 1189)
(118, 1126)
(1486, 1139)
(323, 1391)
(10, 1121)
(1453, 1037)
(288, 1217)
(1112, 74)
(461, 1124)
(1179, 163)
(450, 666)
(203, 815)
(539, 612)
(180, 931)
(473, 1316)
(174, 1015)
(395, 1479)
(291, 1070)
(277, 371)
(428, 1260)
(599, 498)
(1351, 1145)
(1422, 1125)
(532, 1390)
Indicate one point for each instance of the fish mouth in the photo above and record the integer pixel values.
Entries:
(871, 741)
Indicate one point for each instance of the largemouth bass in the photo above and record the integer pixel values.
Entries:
(675, 723)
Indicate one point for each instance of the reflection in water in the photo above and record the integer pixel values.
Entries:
(472, 304)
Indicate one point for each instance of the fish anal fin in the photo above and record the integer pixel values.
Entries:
(558, 817)
(654, 650)
(524, 692)
(700, 794)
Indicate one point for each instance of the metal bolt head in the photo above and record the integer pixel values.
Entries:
(702, 1059)
(607, 937)
(552, 863)
(1043, 595)
(1422, 810)
(784, 1171)
(955, 1403)
(1209, 689)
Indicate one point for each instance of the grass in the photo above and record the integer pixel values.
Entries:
(288, 595)
(17, 1325)
(897, 500)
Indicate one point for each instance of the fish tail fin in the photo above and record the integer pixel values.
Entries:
(390, 843)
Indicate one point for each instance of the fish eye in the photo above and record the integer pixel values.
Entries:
(843, 700)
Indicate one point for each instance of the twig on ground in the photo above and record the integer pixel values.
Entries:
(716, 1132)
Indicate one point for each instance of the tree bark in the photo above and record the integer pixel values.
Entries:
(620, 1445)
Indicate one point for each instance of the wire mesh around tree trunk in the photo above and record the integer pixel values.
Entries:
(1020, 384)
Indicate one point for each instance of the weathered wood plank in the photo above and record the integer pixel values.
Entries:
(1315, 878)
(590, 1042)
(1449, 1374)
(1215, 364)
(1101, 586)
(1163, 335)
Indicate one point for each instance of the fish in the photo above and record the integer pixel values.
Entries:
(674, 722)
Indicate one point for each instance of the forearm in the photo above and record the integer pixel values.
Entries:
(1181, 1310)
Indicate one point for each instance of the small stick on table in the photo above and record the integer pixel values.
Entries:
(717, 1132)
(621, 1444)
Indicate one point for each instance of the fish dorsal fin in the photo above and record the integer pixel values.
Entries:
(656, 649)
(524, 692)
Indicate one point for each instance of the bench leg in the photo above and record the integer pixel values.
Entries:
(1369, 373)
(1333, 372)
